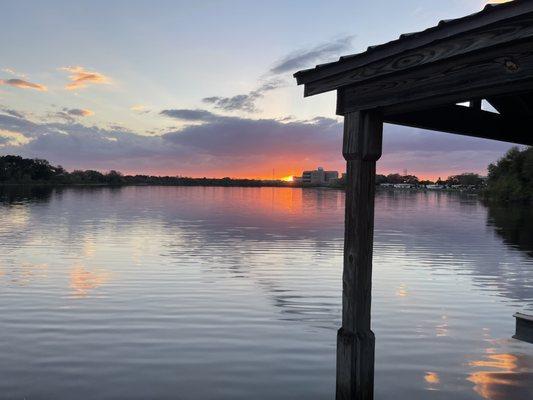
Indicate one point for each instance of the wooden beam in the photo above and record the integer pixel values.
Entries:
(500, 71)
(517, 105)
(452, 46)
(470, 122)
(447, 39)
(355, 340)
(524, 327)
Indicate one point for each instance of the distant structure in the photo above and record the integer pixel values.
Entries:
(318, 177)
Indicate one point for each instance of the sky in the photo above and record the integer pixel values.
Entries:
(204, 88)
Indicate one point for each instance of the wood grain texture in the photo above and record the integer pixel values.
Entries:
(451, 29)
(498, 72)
(355, 358)
(481, 39)
(355, 340)
(363, 135)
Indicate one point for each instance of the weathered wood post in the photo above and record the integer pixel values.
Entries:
(363, 131)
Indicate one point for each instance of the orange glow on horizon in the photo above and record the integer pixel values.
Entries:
(284, 172)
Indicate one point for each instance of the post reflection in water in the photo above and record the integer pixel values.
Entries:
(235, 293)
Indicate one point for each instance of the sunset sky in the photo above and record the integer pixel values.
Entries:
(204, 88)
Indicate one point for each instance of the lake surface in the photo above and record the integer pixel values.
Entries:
(235, 293)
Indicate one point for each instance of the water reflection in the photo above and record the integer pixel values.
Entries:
(21, 194)
(502, 376)
(198, 279)
(83, 281)
(432, 379)
(513, 224)
(25, 274)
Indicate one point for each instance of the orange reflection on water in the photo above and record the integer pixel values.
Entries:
(402, 291)
(433, 379)
(26, 273)
(82, 281)
(505, 379)
(89, 248)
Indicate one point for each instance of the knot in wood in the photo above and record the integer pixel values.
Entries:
(510, 65)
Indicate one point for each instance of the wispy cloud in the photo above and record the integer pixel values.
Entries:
(79, 112)
(22, 84)
(11, 71)
(13, 139)
(140, 109)
(243, 102)
(191, 115)
(307, 57)
(247, 102)
(71, 114)
(81, 78)
(14, 113)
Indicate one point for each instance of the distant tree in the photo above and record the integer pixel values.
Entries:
(114, 177)
(381, 179)
(511, 178)
(410, 179)
(394, 178)
(466, 179)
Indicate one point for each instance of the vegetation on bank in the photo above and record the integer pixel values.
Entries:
(465, 179)
(511, 178)
(18, 170)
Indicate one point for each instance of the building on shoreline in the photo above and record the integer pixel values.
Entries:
(318, 177)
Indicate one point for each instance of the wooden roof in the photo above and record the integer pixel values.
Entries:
(418, 79)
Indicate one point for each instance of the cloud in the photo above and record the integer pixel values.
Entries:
(14, 113)
(11, 71)
(243, 102)
(13, 139)
(79, 112)
(139, 108)
(243, 137)
(71, 114)
(81, 78)
(215, 145)
(22, 84)
(191, 115)
(306, 57)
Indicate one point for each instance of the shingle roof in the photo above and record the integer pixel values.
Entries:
(491, 13)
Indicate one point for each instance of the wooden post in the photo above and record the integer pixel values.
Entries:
(363, 131)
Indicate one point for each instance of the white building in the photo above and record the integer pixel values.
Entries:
(318, 177)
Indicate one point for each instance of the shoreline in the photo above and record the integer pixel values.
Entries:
(236, 184)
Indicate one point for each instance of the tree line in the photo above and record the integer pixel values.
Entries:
(511, 177)
(18, 170)
(465, 179)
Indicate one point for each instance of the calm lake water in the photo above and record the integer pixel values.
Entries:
(234, 293)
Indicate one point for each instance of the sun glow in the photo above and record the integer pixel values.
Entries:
(289, 178)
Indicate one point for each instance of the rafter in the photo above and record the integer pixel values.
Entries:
(470, 122)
